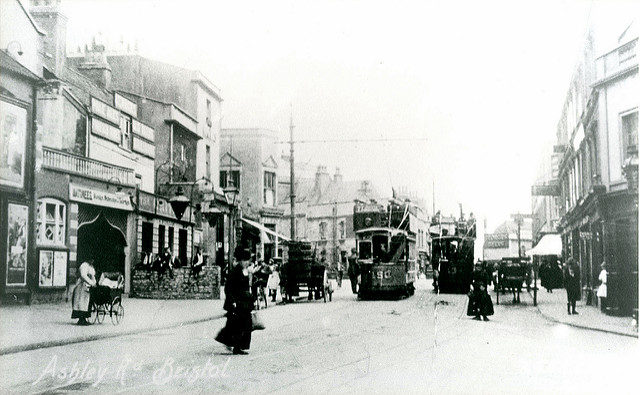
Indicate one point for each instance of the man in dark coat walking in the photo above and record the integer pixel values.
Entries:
(237, 332)
(572, 285)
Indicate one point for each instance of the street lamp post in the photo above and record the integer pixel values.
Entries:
(179, 203)
(231, 195)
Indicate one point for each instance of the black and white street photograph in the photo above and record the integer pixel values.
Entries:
(301, 197)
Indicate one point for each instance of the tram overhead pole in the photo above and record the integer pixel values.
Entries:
(292, 177)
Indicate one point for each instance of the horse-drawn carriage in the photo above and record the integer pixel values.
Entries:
(513, 275)
(303, 272)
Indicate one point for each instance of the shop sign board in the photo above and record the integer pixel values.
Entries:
(97, 197)
(498, 240)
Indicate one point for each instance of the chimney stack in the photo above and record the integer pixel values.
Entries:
(322, 179)
(95, 65)
(337, 177)
(47, 14)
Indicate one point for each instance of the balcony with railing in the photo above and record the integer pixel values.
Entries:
(74, 164)
(617, 61)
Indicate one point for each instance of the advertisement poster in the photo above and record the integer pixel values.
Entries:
(60, 269)
(45, 279)
(52, 269)
(13, 129)
(17, 243)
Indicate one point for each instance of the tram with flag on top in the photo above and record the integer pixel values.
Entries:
(386, 248)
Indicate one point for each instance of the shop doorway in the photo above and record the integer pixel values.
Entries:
(102, 242)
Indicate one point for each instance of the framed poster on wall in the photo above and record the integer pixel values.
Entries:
(52, 268)
(17, 244)
(13, 131)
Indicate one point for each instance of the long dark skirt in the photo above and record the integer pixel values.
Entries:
(480, 304)
(237, 332)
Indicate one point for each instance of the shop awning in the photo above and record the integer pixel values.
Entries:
(550, 244)
(264, 229)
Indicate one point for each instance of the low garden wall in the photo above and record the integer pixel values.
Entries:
(183, 285)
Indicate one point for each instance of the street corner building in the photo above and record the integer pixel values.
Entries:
(91, 157)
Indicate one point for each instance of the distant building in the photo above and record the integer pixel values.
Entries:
(508, 240)
(324, 211)
(248, 161)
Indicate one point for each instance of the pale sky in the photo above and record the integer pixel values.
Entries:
(482, 81)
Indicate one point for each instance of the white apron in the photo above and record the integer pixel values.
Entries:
(602, 289)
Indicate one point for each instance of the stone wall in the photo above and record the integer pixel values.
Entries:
(146, 284)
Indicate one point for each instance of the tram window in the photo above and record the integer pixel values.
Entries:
(380, 250)
(364, 250)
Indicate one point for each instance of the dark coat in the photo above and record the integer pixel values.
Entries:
(479, 300)
(353, 269)
(237, 331)
(572, 283)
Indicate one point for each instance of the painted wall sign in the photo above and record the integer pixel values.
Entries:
(124, 104)
(99, 198)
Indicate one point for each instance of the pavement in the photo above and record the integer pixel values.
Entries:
(553, 306)
(24, 328)
(424, 343)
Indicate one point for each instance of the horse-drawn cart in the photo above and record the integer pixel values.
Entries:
(302, 272)
(513, 274)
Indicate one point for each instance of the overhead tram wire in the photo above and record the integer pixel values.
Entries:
(352, 140)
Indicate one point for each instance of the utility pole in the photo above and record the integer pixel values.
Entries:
(292, 193)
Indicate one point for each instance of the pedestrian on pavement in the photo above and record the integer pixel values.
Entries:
(81, 292)
(273, 283)
(236, 334)
(353, 270)
(480, 303)
(602, 289)
(572, 285)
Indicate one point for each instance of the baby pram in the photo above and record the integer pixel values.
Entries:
(106, 297)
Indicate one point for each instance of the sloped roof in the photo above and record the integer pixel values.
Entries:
(7, 62)
(82, 87)
(270, 162)
(224, 160)
(347, 191)
(303, 188)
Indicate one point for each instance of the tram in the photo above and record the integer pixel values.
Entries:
(386, 247)
(452, 251)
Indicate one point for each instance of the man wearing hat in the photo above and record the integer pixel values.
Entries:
(236, 334)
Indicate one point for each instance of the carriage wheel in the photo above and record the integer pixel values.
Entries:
(117, 311)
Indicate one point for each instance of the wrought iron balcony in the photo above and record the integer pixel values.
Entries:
(87, 167)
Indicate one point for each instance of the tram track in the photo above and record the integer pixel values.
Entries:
(378, 353)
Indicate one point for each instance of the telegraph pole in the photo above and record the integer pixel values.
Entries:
(292, 193)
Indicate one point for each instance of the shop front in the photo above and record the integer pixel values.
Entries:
(101, 227)
(17, 157)
(159, 229)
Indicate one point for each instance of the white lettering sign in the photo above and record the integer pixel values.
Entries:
(99, 198)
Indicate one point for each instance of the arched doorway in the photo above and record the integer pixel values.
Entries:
(102, 242)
